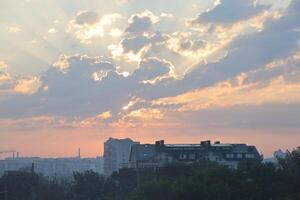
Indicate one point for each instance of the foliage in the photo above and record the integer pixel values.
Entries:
(207, 181)
(88, 186)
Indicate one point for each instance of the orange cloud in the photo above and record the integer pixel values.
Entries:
(105, 115)
(143, 117)
(146, 114)
(28, 85)
(226, 94)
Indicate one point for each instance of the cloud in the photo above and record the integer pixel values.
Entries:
(62, 63)
(98, 84)
(269, 116)
(231, 11)
(228, 95)
(277, 40)
(250, 69)
(153, 69)
(184, 44)
(115, 32)
(32, 123)
(144, 114)
(4, 75)
(141, 23)
(135, 44)
(87, 17)
(52, 31)
(44, 122)
(143, 117)
(14, 29)
(104, 115)
(134, 48)
(6, 81)
(28, 85)
(89, 25)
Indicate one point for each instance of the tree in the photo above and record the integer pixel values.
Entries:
(290, 172)
(18, 185)
(88, 186)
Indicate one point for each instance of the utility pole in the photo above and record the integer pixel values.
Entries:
(9, 151)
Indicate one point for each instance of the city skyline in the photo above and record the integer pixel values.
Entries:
(75, 73)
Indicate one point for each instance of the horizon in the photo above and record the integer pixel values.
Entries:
(74, 73)
(83, 154)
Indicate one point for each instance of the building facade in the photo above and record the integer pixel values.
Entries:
(116, 154)
(160, 154)
(53, 167)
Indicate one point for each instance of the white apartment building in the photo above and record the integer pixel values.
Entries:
(116, 154)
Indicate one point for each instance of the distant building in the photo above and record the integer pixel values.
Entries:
(279, 154)
(60, 167)
(160, 154)
(116, 154)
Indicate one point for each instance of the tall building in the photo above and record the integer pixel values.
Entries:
(160, 154)
(116, 154)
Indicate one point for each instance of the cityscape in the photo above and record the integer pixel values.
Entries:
(133, 170)
(126, 153)
(149, 99)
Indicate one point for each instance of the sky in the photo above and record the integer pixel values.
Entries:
(75, 72)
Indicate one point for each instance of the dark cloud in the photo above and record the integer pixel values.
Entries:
(140, 23)
(152, 68)
(136, 43)
(231, 11)
(87, 17)
(263, 116)
(249, 52)
(74, 91)
(192, 45)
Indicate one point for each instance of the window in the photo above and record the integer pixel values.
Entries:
(239, 156)
(230, 155)
(249, 155)
(192, 156)
(182, 156)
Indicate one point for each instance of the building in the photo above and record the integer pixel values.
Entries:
(279, 154)
(52, 167)
(116, 154)
(160, 154)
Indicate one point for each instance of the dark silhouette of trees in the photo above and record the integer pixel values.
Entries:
(17, 185)
(200, 181)
(289, 170)
(53, 189)
(88, 186)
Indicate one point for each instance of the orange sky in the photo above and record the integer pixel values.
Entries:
(64, 143)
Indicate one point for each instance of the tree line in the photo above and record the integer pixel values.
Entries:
(200, 181)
